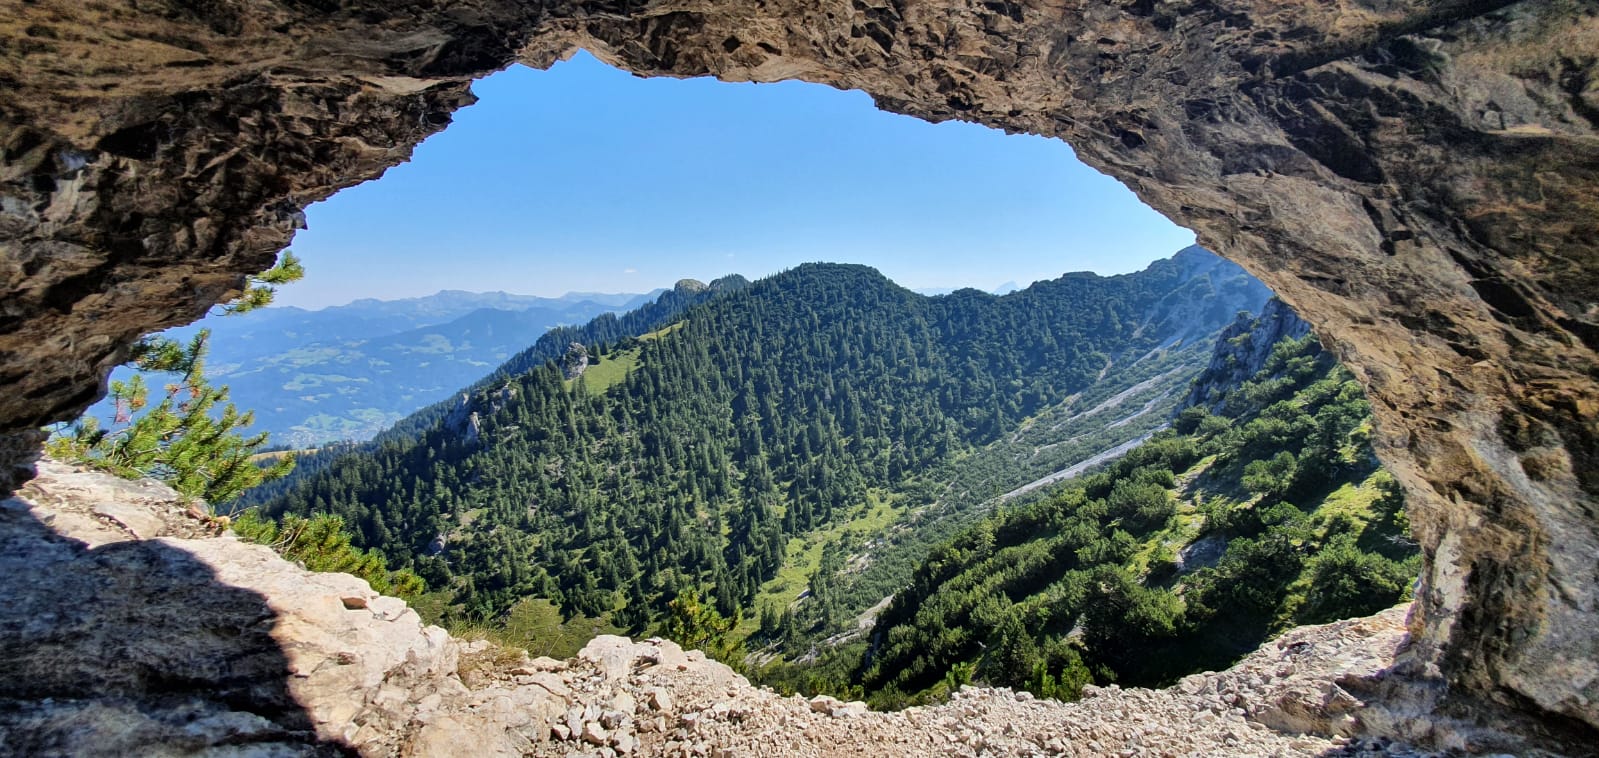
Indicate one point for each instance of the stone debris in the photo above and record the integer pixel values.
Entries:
(287, 661)
(652, 698)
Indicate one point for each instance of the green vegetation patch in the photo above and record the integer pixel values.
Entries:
(320, 543)
(537, 626)
(1093, 584)
(610, 370)
(803, 555)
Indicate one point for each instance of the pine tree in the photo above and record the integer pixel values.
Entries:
(182, 440)
(179, 440)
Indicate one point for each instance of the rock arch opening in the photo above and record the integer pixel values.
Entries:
(482, 196)
(1419, 180)
(584, 178)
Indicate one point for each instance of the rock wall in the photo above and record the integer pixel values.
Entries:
(1241, 351)
(1419, 179)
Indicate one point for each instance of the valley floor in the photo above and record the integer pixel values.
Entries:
(133, 626)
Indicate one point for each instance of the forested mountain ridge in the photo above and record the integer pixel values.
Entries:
(848, 570)
(666, 307)
(690, 460)
(611, 327)
(1261, 509)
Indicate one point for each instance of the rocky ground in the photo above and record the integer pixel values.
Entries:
(651, 698)
(132, 624)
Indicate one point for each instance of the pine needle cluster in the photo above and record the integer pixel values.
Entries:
(191, 436)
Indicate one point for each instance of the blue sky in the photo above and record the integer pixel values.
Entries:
(590, 179)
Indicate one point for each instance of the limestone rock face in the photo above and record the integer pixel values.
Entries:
(1242, 349)
(1418, 179)
(575, 361)
(172, 637)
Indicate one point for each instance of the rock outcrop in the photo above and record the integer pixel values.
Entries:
(1230, 290)
(689, 287)
(1418, 178)
(1241, 351)
(576, 360)
(135, 626)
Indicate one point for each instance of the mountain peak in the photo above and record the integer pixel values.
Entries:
(729, 282)
(1196, 259)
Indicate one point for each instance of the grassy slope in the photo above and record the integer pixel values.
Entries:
(804, 555)
(613, 368)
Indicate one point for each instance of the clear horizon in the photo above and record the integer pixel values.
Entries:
(928, 291)
(584, 178)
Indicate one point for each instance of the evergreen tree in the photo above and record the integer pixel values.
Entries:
(190, 438)
(1039, 595)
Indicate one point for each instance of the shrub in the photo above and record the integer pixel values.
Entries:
(321, 544)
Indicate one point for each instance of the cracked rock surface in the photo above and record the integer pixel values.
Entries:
(1418, 178)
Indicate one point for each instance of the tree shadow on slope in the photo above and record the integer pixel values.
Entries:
(135, 648)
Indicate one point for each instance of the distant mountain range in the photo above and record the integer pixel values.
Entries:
(350, 371)
(1003, 289)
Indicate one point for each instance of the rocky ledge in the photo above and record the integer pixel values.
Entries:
(135, 625)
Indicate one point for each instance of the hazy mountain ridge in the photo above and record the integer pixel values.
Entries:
(348, 372)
